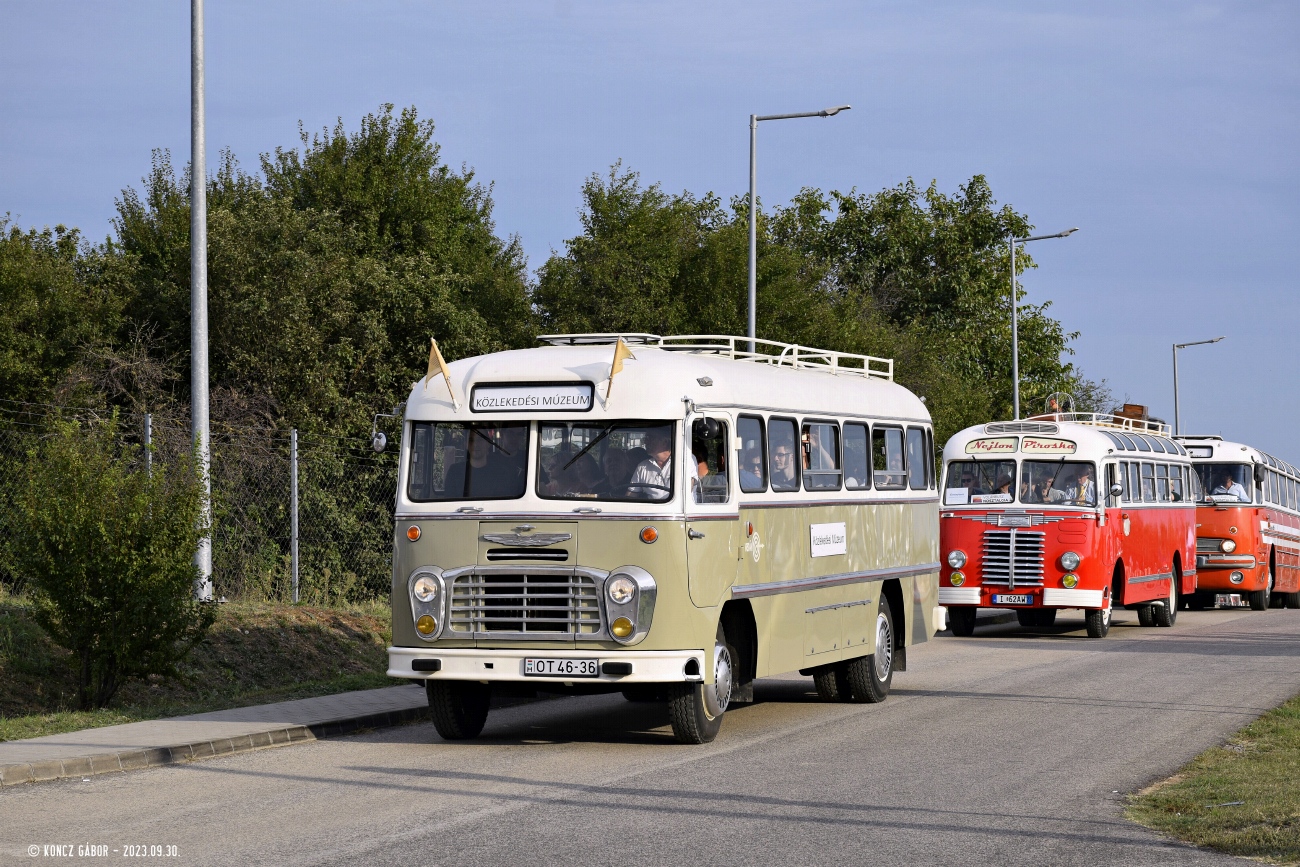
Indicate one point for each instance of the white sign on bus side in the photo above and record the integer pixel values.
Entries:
(829, 539)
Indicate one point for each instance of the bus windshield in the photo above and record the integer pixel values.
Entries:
(474, 461)
(1070, 483)
(1225, 483)
(612, 461)
(971, 482)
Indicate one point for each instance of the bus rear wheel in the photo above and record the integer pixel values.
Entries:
(1259, 599)
(832, 683)
(870, 676)
(1291, 600)
(459, 707)
(1166, 613)
(1098, 620)
(696, 709)
(962, 621)
(1147, 615)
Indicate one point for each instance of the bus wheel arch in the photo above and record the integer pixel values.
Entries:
(892, 592)
(738, 624)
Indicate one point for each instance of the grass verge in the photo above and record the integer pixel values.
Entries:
(255, 653)
(1242, 798)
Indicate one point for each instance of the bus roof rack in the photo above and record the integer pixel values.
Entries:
(1105, 419)
(738, 349)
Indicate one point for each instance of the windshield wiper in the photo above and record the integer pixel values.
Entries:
(490, 441)
(588, 447)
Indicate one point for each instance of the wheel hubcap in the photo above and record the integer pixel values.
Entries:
(718, 696)
(884, 646)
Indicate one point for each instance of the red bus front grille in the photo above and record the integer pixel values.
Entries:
(1013, 557)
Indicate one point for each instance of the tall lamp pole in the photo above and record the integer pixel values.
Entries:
(1178, 346)
(754, 120)
(1012, 241)
(199, 299)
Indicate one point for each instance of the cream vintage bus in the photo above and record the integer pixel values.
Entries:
(707, 516)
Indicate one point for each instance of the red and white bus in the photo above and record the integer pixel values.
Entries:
(1071, 510)
(1248, 530)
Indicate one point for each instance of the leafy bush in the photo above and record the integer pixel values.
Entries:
(106, 550)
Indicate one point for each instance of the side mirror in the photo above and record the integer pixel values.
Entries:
(1116, 489)
(705, 428)
(1261, 473)
(378, 441)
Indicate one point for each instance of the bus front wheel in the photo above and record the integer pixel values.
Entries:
(1259, 599)
(1098, 620)
(869, 676)
(695, 709)
(962, 621)
(459, 707)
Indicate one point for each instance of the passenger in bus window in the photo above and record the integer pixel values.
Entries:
(781, 442)
(1228, 486)
(751, 454)
(887, 457)
(617, 471)
(1083, 491)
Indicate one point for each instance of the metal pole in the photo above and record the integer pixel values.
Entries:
(148, 443)
(293, 509)
(1015, 335)
(1177, 425)
(199, 299)
(753, 230)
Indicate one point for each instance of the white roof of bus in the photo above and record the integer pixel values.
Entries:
(1095, 440)
(1225, 451)
(655, 383)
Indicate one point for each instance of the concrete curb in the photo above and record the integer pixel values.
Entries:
(150, 757)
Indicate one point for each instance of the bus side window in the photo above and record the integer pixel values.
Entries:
(1123, 480)
(1162, 483)
(709, 452)
(916, 460)
(857, 475)
(929, 458)
(821, 456)
(1194, 489)
(1148, 483)
(783, 454)
(753, 467)
(1176, 484)
(1134, 483)
(887, 458)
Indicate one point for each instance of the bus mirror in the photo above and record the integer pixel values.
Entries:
(378, 441)
(1116, 489)
(705, 428)
(1260, 474)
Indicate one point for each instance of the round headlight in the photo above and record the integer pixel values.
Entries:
(956, 558)
(1070, 581)
(957, 579)
(425, 588)
(621, 589)
(1227, 546)
(1070, 561)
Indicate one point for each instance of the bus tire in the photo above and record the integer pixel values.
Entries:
(1147, 615)
(961, 621)
(1167, 614)
(1291, 600)
(832, 683)
(696, 709)
(1027, 617)
(459, 707)
(869, 677)
(1098, 621)
(1259, 599)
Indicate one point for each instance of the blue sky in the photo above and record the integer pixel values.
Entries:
(1166, 131)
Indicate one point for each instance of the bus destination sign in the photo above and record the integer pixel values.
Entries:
(533, 397)
(1045, 446)
(994, 446)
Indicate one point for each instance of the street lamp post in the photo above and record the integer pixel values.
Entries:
(1178, 346)
(754, 120)
(1012, 241)
(199, 298)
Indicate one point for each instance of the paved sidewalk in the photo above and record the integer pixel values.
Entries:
(186, 738)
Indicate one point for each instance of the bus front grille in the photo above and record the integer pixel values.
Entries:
(1013, 558)
(1208, 546)
(525, 604)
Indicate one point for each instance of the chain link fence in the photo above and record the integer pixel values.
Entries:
(345, 503)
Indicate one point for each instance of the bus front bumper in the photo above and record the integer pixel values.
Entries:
(1047, 597)
(499, 665)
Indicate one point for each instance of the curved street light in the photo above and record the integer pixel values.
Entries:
(1012, 241)
(1178, 346)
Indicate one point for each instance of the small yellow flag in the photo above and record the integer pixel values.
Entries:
(435, 360)
(621, 352)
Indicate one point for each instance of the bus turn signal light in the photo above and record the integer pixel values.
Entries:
(622, 627)
(426, 625)
(649, 534)
(1070, 581)
(957, 579)
(413, 532)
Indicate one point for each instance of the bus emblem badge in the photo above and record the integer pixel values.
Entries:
(754, 546)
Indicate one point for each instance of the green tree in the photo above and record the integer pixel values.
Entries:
(106, 550)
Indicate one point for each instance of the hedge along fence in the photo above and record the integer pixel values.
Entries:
(346, 494)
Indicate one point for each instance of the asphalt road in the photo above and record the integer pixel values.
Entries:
(1011, 747)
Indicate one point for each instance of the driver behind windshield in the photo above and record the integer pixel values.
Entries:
(1229, 486)
(655, 474)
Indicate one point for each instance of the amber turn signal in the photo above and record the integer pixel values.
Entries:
(649, 534)
(413, 532)
(426, 625)
(622, 627)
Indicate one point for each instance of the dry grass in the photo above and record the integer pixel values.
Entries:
(255, 653)
(1242, 798)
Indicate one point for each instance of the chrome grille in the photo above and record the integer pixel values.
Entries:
(1208, 546)
(1013, 558)
(530, 604)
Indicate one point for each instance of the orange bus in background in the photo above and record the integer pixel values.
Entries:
(1248, 524)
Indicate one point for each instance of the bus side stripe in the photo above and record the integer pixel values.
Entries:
(749, 591)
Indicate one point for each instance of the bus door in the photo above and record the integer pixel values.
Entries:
(712, 516)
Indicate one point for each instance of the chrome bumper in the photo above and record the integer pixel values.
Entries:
(1225, 561)
(497, 664)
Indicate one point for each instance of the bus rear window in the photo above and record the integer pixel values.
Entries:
(476, 461)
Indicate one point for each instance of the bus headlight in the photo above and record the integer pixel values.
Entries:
(956, 558)
(1070, 561)
(425, 588)
(1227, 546)
(1070, 581)
(957, 579)
(621, 590)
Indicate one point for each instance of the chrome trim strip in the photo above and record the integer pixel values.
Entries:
(519, 540)
(836, 605)
(749, 591)
(1157, 576)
